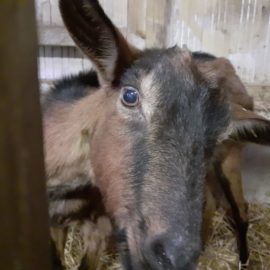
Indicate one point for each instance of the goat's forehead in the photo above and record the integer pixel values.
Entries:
(159, 60)
(154, 69)
(162, 77)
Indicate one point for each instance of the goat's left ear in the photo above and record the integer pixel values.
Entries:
(248, 127)
(95, 34)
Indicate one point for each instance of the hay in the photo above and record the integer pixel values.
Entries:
(220, 252)
(74, 248)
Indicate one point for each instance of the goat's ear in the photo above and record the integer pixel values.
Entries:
(98, 38)
(248, 127)
(215, 71)
(220, 73)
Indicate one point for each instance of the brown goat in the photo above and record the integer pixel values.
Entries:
(135, 140)
(224, 175)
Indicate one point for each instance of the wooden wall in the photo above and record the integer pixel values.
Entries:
(24, 226)
(237, 29)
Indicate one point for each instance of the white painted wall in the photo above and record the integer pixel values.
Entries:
(237, 29)
(54, 62)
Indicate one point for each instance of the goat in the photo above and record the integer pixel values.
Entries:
(135, 140)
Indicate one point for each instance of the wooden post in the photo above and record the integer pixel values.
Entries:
(24, 234)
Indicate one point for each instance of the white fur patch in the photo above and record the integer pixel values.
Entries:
(148, 101)
(149, 96)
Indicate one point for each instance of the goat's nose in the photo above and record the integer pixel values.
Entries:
(171, 253)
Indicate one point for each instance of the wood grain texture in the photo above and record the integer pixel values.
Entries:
(24, 234)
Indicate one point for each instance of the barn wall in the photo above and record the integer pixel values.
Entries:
(237, 29)
(24, 226)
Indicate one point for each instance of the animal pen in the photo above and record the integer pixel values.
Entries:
(236, 29)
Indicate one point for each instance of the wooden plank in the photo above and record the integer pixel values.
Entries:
(156, 22)
(54, 36)
(51, 35)
(136, 23)
(49, 63)
(55, 13)
(57, 65)
(45, 15)
(24, 230)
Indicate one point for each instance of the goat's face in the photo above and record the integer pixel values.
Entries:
(157, 128)
(149, 156)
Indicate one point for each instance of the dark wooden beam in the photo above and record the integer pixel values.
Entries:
(24, 234)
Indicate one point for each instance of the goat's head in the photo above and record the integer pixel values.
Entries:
(159, 122)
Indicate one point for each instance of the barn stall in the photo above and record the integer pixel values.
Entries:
(238, 30)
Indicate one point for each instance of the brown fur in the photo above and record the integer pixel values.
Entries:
(221, 74)
(111, 178)
(229, 152)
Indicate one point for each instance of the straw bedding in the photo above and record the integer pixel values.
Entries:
(220, 252)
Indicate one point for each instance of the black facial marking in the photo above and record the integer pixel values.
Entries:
(67, 191)
(142, 224)
(121, 236)
(92, 205)
(72, 88)
(140, 159)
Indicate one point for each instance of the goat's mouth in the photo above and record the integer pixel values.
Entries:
(138, 258)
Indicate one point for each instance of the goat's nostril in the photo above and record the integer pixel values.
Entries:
(161, 255)
(170, 253)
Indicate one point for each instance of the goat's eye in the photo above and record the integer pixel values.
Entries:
(129, 96)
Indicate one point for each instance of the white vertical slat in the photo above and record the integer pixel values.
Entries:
(136, 23)
(46, 12)
(57, 62)
(70, 66)
(65, 61)
(119, 14)
(55, 13)
(239, 30)
(49, 73)
(41, 63)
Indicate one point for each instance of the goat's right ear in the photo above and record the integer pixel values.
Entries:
(98, 38)
(248, 127)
